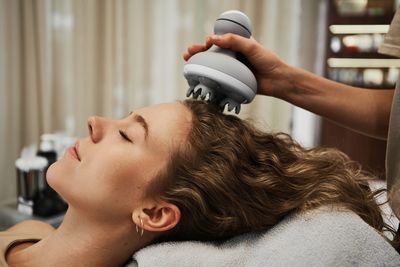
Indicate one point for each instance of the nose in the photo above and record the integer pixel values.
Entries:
(96, 128)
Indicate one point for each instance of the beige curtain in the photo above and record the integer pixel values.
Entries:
(63, 60)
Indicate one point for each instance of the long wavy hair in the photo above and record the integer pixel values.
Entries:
(230, 178)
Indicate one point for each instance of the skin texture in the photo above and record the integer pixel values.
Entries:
(105, 188)
(362, 110)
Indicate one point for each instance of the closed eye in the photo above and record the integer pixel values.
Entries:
(125, 136)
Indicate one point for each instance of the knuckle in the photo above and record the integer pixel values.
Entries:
(252, 45)
(230, 37)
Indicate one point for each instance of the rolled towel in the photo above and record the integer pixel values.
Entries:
(322, 237)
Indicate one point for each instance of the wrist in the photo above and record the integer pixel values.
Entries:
(282, 82)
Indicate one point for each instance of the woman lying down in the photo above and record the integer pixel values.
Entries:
(183, 171)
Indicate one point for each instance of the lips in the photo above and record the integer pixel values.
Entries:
(74, 151)
(76, 148)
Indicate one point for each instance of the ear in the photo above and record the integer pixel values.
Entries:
(157, 216)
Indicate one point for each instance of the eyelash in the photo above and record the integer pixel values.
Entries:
(125, 136)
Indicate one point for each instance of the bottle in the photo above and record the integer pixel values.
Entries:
(48, 201)
(46, 149)
(30, 176)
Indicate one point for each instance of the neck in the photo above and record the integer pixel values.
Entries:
(85, 241)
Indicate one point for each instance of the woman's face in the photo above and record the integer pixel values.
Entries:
(114, 165)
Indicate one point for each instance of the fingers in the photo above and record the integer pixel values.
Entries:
(186, 56)
(230, 41)
(194, 49)
(234, 42)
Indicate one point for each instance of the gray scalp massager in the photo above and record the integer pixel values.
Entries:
(216, 75)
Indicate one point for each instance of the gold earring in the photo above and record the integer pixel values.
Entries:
(141, 227)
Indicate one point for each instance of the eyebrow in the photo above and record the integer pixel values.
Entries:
(138, 118)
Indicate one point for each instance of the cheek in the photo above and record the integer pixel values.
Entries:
(123, 180)
(109, 188)
(108, 183)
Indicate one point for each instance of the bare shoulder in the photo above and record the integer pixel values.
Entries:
(32, 226)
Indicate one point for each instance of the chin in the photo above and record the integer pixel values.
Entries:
(54, 175)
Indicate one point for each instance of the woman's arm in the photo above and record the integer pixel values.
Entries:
(363, 110)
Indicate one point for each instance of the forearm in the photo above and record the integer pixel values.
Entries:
(364, 110)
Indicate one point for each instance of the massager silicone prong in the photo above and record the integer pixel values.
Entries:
(237, 109)
(230, 107)
(207, 85)
(203, 93)
(206, 93)
(230, 104)
(197, 91)
(225, 107)
(190, 91)
(224, 103)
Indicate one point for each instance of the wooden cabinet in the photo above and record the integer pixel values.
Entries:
(354, 33)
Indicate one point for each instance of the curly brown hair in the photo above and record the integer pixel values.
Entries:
(230, 178)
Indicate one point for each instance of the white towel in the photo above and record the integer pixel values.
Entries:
(318, 238)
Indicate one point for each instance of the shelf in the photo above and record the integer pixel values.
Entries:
(358, 29)
(360, 20)
(366, 16)
(356, 62)
(363, 63)
(366, 55)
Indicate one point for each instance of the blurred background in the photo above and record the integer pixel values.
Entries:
(64, 60)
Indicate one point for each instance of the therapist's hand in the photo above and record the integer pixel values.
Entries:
(271, 72)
